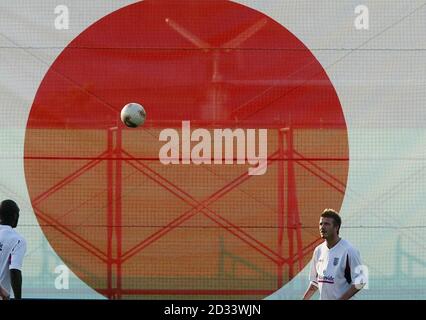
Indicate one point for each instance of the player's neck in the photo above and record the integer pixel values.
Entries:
(332, 242)
(6, 224)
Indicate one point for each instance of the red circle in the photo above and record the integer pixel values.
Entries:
(111, 210)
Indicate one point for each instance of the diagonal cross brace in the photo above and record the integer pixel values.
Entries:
(68, 179)
(196, 208)
(71, 235)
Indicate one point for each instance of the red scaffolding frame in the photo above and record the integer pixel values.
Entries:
(115, 155)
(285, 156)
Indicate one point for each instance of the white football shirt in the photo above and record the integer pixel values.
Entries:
(12, 251)
(334, 270)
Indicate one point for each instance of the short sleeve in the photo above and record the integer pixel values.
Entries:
(358, 272)
(17, 254)
(313, 272)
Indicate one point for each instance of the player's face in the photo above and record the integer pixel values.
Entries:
(15, 220)
(327, 228)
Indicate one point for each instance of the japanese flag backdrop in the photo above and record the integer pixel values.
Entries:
(343, 109)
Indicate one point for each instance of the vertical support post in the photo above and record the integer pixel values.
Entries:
(281, 205)
(290, 203)
(118, 212)
(293, 209)
(110, 210)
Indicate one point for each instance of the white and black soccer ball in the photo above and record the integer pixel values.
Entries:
(133, 115)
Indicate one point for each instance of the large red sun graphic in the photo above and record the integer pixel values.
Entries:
(132, 227)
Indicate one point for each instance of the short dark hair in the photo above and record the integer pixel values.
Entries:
(8, 210)
(330, 213)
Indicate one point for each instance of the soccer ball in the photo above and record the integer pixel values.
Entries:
(133, 115)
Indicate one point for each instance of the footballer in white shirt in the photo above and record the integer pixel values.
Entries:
(12, 251)
(336, 268)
